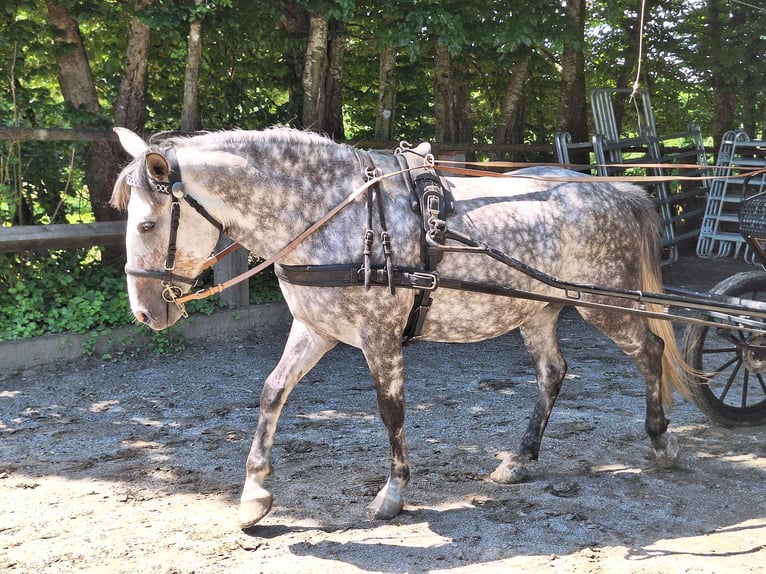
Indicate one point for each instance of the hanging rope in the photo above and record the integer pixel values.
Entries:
(640, 48)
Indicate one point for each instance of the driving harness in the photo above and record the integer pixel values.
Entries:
(432, 202)
(429, 199)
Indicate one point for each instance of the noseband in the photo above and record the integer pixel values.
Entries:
(175, 189)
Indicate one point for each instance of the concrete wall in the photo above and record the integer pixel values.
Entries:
(26, 353)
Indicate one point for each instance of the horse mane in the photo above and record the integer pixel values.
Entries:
(281, 137)
(275, 135)
(121, 192)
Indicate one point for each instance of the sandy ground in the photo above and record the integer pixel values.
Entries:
(136, 466)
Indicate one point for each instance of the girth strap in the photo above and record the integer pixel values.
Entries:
(347, 275)
(431, 200)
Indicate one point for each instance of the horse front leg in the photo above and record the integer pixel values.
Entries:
(303, 349)
(386, 363)
(541, 339)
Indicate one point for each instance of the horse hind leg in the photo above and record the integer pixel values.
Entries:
(302, 351)
(386, 363)
(541, 339)
(646, 349)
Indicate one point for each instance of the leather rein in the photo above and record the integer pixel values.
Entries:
(174, 187)
(172, 293)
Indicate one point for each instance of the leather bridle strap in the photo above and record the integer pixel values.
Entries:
(175, 189)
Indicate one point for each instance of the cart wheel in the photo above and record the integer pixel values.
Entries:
(735, 392)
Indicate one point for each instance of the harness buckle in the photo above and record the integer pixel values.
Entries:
(372, 173)
(431, 279)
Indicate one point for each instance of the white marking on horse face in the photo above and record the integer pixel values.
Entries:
(147, 236)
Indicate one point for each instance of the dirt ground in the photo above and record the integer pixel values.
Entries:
(136, 466)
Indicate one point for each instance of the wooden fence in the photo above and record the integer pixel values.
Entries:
(62, 236)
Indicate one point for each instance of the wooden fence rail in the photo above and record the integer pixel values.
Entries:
(60, 236)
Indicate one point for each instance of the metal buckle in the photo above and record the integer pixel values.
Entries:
(432, 277)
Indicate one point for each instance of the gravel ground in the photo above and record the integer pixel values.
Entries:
(136, 465)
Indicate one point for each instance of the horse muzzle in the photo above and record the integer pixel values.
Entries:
(155, 304)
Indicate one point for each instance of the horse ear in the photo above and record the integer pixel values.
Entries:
(132, 143)
(157, 167)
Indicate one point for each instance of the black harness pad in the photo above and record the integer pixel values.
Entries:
(434, 203)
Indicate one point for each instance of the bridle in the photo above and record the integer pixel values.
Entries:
(174, 187)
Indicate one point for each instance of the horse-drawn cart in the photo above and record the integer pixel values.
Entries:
(733, 390)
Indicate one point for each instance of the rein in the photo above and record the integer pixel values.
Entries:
(452, 167)
(372, 177)
(175, 188)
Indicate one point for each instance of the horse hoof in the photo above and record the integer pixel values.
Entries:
(251, 511)
(668, 456)
(510, 472)
(385, 507)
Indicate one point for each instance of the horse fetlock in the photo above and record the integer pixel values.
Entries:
(253, 507)
(387, 504)
(667, 450)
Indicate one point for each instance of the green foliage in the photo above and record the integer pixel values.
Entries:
(60, 291)
(251, 79)
(71, 291)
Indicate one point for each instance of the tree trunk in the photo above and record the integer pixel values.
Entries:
(333, 109)
(512, 100)
(78, 89)
(573, 107)
(725, 90)
(462, 95)
(75, 78)
(387, 86)
(444, 95)
(314, 72)
(190, 120)
(130, 108)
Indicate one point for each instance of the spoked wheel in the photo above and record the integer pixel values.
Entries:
(734, 391)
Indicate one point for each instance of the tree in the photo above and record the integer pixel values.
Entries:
(573, 109)
(387, 87)
(512, 102)
(314, 73)
(130, 107)
(190, 118)
(734, 39)
(79, 91)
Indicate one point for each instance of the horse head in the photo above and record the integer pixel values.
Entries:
(167, 244)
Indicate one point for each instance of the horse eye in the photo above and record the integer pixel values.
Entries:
(146, 226)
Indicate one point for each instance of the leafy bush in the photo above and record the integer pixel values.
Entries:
(59, 291)
(72, 291)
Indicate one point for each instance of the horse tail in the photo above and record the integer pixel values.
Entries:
(676, 372)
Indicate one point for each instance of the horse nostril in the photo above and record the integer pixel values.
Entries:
(142, 317)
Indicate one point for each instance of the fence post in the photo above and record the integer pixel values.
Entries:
(238, 295)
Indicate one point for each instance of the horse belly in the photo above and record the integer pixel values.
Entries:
(464, 317)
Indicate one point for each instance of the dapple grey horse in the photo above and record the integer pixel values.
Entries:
(265, 189)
